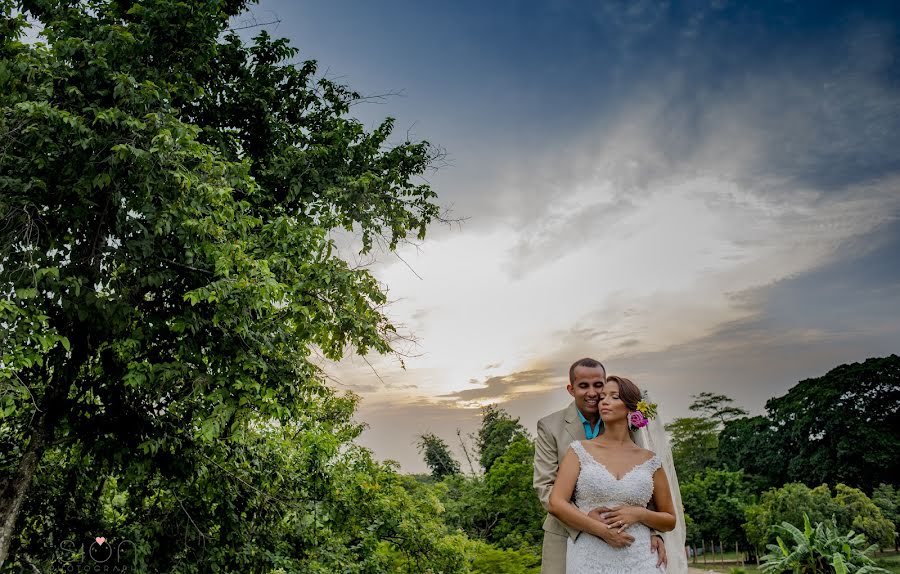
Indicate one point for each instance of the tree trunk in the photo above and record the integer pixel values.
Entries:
(16, 486)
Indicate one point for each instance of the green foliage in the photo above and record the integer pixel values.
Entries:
(716, 501)
(864, 516)
(787, 504)
(300, 497)
(716, 406)
(486, 559)
(814, 433)
(468, 506)
(437, 456)
(499, 507)
(694, 445)
(695, 440)
(818, 550)
(755, 446)
(509, 487)
(843, 427)
(497, 431)
(887, 499)
(166, 199)
(850, 508)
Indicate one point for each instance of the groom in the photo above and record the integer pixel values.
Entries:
(555, 432)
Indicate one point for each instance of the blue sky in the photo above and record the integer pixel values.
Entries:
(705, 195)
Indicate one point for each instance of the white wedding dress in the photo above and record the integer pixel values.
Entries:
(597, 487)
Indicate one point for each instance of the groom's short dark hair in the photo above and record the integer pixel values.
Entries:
(586, 362)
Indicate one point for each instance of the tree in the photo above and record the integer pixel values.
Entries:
(844, 426)
(487, 559)
(695, 440)
(166, 200)
(497, 431)
(715, 501)
(887, 499)
(437, 456)
(850, 509)
(716, 406)
(509, 487)
(754, 446)
(498, 507)
(694, 444)
(860, 513)
(787, 504)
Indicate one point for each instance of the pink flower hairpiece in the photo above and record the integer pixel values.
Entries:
(642, 414)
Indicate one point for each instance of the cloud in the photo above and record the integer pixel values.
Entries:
(501, 388)
(665, 201)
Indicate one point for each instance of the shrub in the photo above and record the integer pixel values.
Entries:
(819, 550)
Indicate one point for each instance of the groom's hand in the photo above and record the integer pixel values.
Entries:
(657, 545)
(612, 536)
(615, 537)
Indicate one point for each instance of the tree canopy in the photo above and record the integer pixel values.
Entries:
(843, 427)
(437, 455)
(167, 199)
(498, 429)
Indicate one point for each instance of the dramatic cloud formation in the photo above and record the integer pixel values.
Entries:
(705, 195)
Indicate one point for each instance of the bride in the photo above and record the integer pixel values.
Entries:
(612, 473)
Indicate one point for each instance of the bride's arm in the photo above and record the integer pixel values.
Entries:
(661, 519)
(561, 505)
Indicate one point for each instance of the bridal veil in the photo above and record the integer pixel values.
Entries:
(653, 437)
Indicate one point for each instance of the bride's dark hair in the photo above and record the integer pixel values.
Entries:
(628, 391)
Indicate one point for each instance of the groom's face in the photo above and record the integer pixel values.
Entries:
(586, 387)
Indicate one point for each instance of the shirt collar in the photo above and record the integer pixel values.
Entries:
(589, 432)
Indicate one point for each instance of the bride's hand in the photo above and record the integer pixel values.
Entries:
(599, 514)
(624, 516)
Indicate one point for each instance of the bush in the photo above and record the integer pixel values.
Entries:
(822, 549)
(487, 559)
(850, 508)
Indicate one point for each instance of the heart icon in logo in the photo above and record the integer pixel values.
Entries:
(100, 540)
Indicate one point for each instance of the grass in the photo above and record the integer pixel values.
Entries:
(725, 567)
(890, 562)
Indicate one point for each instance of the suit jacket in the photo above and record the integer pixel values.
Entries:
(555, 432)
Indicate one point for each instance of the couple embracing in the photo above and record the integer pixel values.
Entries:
(603, 470)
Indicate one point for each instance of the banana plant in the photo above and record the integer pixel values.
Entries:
(819, 550)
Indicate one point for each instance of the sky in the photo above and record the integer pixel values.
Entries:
(705, 196)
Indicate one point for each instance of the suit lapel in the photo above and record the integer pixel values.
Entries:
(574, 426)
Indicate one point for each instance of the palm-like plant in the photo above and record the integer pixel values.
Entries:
(819, 550)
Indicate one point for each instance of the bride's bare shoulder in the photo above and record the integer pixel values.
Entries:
(646, 454)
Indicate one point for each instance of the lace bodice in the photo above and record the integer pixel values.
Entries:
(597, 486)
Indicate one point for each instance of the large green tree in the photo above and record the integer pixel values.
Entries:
(694, 445)
(715, 500)
(499, 506)
(842, 427)
(695, 439)
(167, 195)
(498, 429)
(508, 485)
(887, 499)
(755, 446)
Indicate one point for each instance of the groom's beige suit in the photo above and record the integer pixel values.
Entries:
(555, 432)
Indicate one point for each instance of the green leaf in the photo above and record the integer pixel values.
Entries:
(26, 293)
